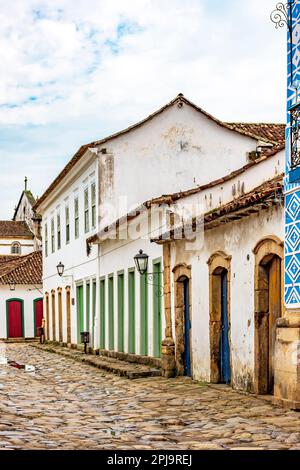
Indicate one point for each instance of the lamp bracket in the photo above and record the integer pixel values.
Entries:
(150, 279)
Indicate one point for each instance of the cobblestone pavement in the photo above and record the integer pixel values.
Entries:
(67, 405)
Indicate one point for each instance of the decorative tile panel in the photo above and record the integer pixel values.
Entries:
(292, 199)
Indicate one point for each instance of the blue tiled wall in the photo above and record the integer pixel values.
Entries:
(292, 190)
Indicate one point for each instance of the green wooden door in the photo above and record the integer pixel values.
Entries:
(102, 314)
(131, 311)
(157, 320)
(80, 319)
(87, 313)
(144, 315)
(111, 326)
(121, 312)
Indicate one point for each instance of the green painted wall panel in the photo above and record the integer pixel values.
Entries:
(111, 326)
(80, 321)
(121, 312)
(102, 314)
(157, 309)
(144, 314)
(131, 312)
(87, 313)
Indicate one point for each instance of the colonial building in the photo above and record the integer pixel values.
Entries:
(224, 275)
(21, 306)
(106, 205)
(287, 366)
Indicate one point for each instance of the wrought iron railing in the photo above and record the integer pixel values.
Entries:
(295, 135)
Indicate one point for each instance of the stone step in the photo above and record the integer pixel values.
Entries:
(121, 368)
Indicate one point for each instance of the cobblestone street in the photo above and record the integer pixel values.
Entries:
(67, 405)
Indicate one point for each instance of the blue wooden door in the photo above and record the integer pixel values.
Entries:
(187, 329)
(225, 369)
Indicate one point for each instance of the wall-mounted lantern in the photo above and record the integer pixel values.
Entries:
(60, 269)
(141, 261)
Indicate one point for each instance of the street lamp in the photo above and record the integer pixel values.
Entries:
(60, 269)
(141, 262)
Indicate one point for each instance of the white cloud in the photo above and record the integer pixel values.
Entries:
(85, 68)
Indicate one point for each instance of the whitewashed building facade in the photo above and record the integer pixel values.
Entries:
(91, 206)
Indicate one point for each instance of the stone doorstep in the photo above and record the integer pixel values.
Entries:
(121, 368)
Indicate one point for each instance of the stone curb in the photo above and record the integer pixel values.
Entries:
(114, 366)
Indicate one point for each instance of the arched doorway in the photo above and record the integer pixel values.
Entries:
(183, 319)
(268, 308)
(219, 286)
(38, 315)
(15, 318)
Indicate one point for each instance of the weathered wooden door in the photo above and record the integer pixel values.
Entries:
(187, 328)
(274, 312)
(225, 368)
(14, 319)
(38, 315)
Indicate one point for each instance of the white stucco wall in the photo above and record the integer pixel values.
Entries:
(27, 245)
(78, 266)
(118, 255)
(177, 150)
(27, 293)
(236, 239)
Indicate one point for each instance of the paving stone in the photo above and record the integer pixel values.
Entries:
(68, 404)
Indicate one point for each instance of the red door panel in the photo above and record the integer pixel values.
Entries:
(15, 329)
(38, 315)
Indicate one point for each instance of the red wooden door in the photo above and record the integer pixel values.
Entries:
(14, 318)
(38, 315)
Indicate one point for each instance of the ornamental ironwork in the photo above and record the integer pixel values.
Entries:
(295, 136)
(281, 17)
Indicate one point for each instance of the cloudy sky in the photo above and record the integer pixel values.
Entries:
(73, 71)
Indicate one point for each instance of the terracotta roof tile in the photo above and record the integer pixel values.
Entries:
(11, 228)
(271, 132)
(22, 270)
(267, 194)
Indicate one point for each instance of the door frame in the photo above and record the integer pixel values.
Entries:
(265, 250)
(15, 299)
(34, 312)
(181, 272)
(218, 263)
